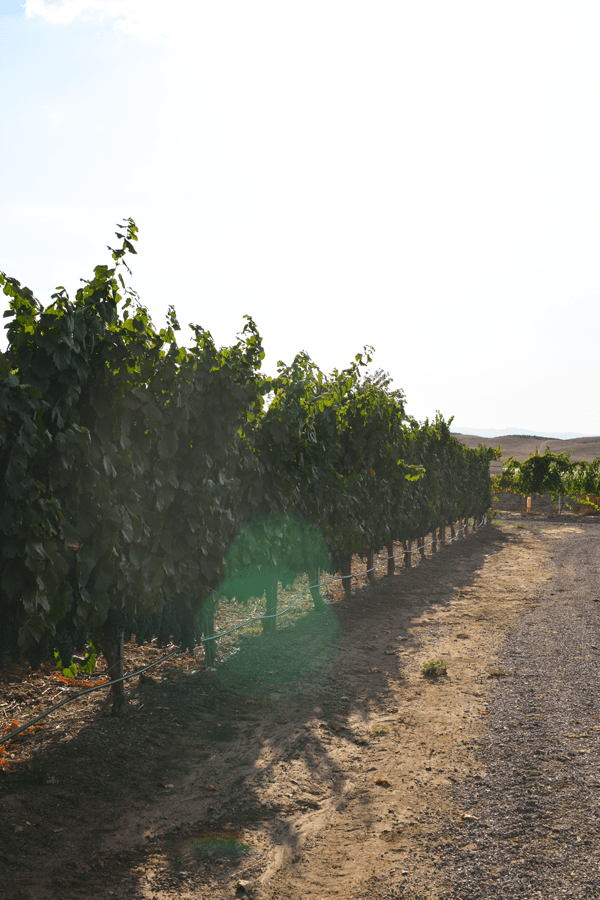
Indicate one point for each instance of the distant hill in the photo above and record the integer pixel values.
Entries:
(519, 432)
(522, 446)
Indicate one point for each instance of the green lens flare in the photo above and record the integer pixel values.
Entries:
(271, 562)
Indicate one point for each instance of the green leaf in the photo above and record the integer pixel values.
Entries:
(127, 527)
(68, 672)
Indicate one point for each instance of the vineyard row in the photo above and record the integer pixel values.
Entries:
(140, 480)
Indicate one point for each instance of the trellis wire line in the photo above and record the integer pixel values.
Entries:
(325, 583)
(416, 550)
(214, 637)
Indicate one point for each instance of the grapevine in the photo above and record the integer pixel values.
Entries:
(140, 480)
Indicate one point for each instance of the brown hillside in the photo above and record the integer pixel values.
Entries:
(586, 448)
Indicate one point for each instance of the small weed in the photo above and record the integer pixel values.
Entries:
(40, 770)
(381, 731)
(434, 668)
(499, 673)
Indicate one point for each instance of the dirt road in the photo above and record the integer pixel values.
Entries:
(319, 762)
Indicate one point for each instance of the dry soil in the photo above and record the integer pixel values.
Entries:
(320, 762)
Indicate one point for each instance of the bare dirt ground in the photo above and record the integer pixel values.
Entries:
(313, 763)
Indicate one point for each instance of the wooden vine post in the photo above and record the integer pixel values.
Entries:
(421, 545)
(114, 654)
(315, 588)
(270, 624)
(208, 629)
(407, 547)
(452, 531)
(442, 535)
(391, 563)
(370, 566)
(346, 576)
(434, 541)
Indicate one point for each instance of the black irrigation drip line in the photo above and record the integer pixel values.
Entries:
(90, 690)
(214, 637)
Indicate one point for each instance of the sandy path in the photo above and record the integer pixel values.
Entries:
(420, 733)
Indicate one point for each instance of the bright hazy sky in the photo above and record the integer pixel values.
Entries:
(416, 175)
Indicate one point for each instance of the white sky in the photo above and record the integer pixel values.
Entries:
(421, 176)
